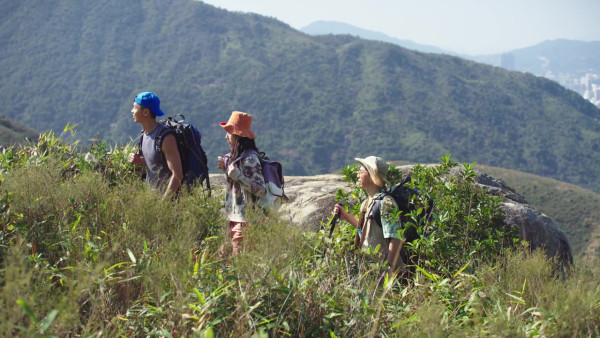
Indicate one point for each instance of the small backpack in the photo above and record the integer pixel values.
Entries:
(403, 194)
(273, 174)
(194, 163)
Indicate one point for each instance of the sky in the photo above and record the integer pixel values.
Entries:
(475, 27)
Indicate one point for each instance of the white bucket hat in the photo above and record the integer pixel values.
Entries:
(377, 169)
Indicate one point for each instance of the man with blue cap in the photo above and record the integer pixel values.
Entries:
(164, 163)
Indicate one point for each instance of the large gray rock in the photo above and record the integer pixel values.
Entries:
(534, 226)
(311, 199)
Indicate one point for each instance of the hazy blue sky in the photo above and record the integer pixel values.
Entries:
(464, 26)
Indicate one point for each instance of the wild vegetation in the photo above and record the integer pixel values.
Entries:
(87, 249)
(309, 95)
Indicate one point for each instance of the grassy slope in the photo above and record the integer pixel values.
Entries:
(575, 209)
(98, 253)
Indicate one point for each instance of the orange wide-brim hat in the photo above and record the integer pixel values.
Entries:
(239, 124)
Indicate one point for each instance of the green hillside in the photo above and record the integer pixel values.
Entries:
(573, 208)
(13, 132)
(318, 101)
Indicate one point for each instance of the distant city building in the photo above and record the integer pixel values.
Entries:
(587, 85)
(590, 88)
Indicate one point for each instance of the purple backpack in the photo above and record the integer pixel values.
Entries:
(273, 175)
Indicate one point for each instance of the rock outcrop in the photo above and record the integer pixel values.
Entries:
(312, 199)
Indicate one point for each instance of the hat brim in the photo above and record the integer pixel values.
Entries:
(233, 129)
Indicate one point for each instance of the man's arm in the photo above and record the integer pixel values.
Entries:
(394, 259)
(169, 149)
(391, 225)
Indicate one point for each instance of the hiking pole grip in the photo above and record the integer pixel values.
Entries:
(336, 217)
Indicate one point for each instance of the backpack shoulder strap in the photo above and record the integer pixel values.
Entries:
(246, 154)
(161, 136)
(375, 212)
(141, 139)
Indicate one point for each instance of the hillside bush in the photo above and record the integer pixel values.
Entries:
(465, 225)
(87, 249)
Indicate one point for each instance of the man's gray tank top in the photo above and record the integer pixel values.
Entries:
(158, 171)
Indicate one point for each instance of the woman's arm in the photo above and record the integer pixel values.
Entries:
(248, 173)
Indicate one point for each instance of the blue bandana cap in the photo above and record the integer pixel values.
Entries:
(151, 101)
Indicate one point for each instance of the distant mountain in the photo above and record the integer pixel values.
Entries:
(318, 101)
(573, 64)
(13, 132)
(548, 58)
(334, 27)
(556, 57)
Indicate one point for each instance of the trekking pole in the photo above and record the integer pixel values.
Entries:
(334, 221)
(332, 224)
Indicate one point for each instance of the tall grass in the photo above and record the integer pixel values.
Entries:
(86, 252)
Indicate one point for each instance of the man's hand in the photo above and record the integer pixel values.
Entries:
(339, 210)
(136, 159)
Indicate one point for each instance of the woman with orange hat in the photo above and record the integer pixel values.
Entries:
(243, 170)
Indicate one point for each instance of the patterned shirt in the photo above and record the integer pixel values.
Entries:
(245, 185)
(390, 224)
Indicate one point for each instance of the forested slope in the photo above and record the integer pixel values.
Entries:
(318, 102)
